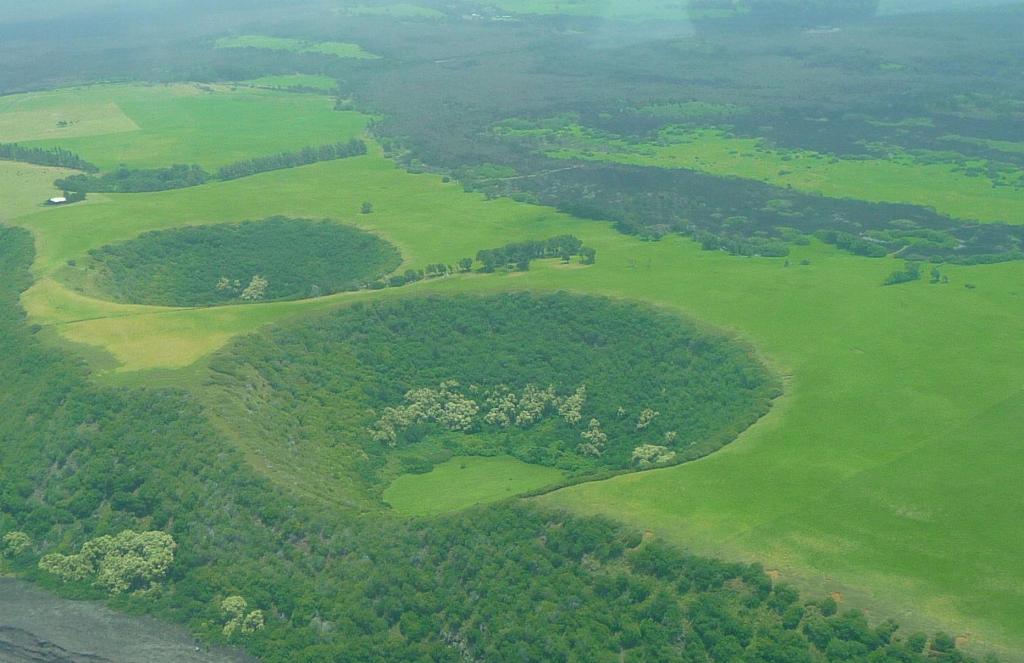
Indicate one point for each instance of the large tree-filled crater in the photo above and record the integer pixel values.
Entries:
(581, 384)
(273, 259)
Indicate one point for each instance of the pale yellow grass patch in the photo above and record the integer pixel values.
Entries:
(64, 121)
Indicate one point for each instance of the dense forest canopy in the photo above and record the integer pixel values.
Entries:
(277, 258)
(577, 383)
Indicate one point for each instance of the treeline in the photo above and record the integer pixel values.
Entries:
(305, 156)
(517, 255)
(746, 217)
(45, 156)
(135, 180)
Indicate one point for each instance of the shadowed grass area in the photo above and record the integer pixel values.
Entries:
(464, 481)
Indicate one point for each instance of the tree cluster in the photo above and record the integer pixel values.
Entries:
(303, 157)
(134, 180)
(517, 256)
(276, 258)
(911, 272)
(455, 409)
(126, 561)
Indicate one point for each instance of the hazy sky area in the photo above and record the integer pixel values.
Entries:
(18, 10)
(905, 6)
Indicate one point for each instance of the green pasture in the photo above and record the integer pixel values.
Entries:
(59, 115)
(338, 49)
(900, 179)
(211, 126)
(464, 481)
(888, 472)
(25, 189)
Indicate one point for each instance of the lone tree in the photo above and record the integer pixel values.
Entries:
(366, 208)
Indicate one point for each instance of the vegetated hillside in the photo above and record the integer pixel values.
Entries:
(583, 384)
(498, 583)
(277, 258)
(934, 92)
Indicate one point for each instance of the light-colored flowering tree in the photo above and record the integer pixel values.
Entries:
(15, 543)
(571, 409)
(239, 618)
(256, 289)
(646, 417)
(647, 455)
(128, 561)
(594, 439)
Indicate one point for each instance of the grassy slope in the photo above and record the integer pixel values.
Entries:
(464, 481)
(889, 467)
(189, 124)
(901, 179)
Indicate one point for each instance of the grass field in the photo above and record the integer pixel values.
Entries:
(193, 123)
(57, 116)
(888, 472)
(25, 189)
(338, 49)
(900, 179)
(464, 481)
